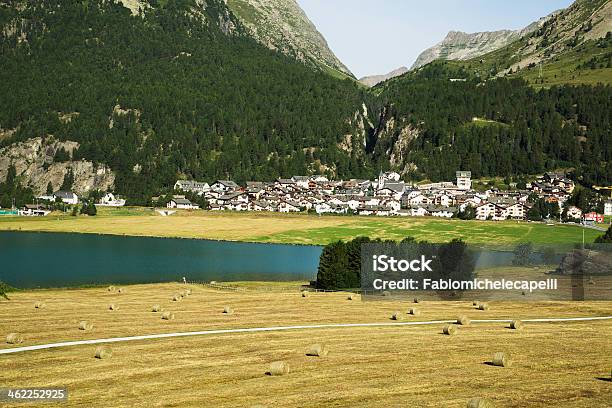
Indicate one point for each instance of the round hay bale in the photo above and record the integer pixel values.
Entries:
(450, 329)
(278, 368)
(516, 325)
(85, 325)
(483, 306)
(167, 316)
(317, 350)
(464, 321)
(501, 360)
(103, 353)
(14, 338)
(479, 403)
(120, 290)
(177, 298)
(113, 306)
(111, 288)
(414, 311)
(350, 297)
(417, 300)
(39, 305)
(228, 310)
(157, 308)
(186, 292)
(591, 281)
(396, 316)
(386, 293)
(475, 303)
(305, 294)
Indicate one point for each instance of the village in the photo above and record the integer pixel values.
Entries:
(386, 196)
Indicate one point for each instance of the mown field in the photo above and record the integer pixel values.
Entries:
(555, 364)
(296, 228)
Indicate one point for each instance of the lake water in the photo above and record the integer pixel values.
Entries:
(30, 260)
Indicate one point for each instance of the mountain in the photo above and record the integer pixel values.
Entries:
(372, 80)
(443, 117)
(573, 46)
(461, 46)
(132, 96)
(164, 90)
(282, 25)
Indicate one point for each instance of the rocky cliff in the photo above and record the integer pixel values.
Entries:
(463, 46)
(34, 162)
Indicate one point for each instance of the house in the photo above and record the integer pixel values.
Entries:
(574, 212)
(419, 199)
(317, 178)
(517, 211)
(286, 206)
(191, 186)
(418, 211)
(259, 206)
(392, 205)
(224, 186)
(301, 181)
(440, 211)
(227, 198)
(109, 200)
(491, 211)
(608, 208)
(392, 189)
(182, 203)
(444, 200)
(67, 197)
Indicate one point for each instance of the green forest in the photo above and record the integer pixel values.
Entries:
(182, 91)
(517, 130)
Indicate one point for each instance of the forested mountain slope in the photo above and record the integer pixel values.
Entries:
(282, 25)
(180, 90)
(169, 89)
(442, 118)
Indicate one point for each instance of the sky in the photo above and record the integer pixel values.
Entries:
(378, 36)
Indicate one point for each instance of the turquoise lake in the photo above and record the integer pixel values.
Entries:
(31, 260)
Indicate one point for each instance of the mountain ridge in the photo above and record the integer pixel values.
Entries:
(372, 80)
(282, 25)
(458, 45)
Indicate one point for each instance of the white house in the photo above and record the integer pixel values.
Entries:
(443, 212)
(182, 203)
(286, 206)
(109, 200)
(224, 186)
(191, 186)
(574, 212)
(517, 211)
(68, 197)
(491, 211)
(419, 199)
(418, 211)
(301, 181)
